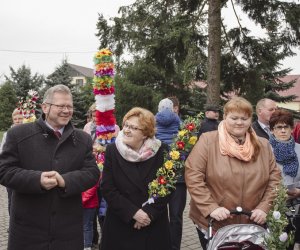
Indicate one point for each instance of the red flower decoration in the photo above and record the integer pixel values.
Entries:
(180, 145)
(190, 126)
(161, 180)
(106, 118)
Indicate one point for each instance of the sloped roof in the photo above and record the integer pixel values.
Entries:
(294, 90)
(87, 72)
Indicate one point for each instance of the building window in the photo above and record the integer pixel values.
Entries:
(79, 82)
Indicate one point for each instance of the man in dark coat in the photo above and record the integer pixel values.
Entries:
(47, 173)
(210, 122)
(264, 110)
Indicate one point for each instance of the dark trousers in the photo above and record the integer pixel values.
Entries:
(9, 194)
(95, 229)
(203, 240)
(176, 208)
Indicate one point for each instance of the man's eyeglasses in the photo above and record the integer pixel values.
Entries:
(61, 107)
(279, 127)
(131, 127)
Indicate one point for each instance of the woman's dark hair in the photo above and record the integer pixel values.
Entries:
(281, 116)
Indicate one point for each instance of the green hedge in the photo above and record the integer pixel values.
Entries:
(1, 135)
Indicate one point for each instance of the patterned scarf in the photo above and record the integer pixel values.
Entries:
(148, 149)
(285, 155)
(228, 145)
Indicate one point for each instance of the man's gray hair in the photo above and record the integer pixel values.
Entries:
(60, 88)
(261, 103)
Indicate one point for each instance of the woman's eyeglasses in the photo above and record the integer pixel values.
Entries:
(279, 127)
(131, 127)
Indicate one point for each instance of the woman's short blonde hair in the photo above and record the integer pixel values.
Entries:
(146, 120)
(238, 104)
(16, 112)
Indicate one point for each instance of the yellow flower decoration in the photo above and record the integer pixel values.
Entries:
(181, 133)
(29, 119)
(169, 165)
(193, 140)
(154, 184)
(175, 154)
(162, 192)
(103, 52)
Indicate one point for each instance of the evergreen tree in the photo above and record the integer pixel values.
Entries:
(129, 95)
(8, 101)
(22, 80)
(83, 98)
(61, 75)
(170, 39)
(253, 63)
(165, 45)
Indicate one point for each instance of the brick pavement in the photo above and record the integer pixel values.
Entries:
(3, 218)
(190, 239)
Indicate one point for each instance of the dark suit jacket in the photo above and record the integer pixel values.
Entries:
(125, 189)
(46, 219)
(259, 130)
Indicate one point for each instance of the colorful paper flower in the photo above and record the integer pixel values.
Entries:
(173, 166)
(276, 215)
(27, 106)
(193, 140)
(175, 154)
(283, 237)
(103, 89)
(168, 165)
(180, 145)
(190, 126)
(161, 180)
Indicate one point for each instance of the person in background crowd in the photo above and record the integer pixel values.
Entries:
(211, 120)
(48, 164)
(130, 165)
(90, 204)
(264, 109)
(90, 128)
(167, 122)
(228, 168)
(296, 132)
(287, 155)
(17, 118)
(175, 101)
(167, 127)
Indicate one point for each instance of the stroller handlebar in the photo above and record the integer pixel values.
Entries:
(237, 211)
(241, 212)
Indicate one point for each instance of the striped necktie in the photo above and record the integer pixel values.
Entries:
(267, 129)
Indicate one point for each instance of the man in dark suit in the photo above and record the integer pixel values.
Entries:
(48, 164)
(264, 110)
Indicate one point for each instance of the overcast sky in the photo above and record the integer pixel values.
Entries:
(58, 27)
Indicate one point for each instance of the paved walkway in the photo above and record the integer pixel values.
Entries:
(190, 239)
